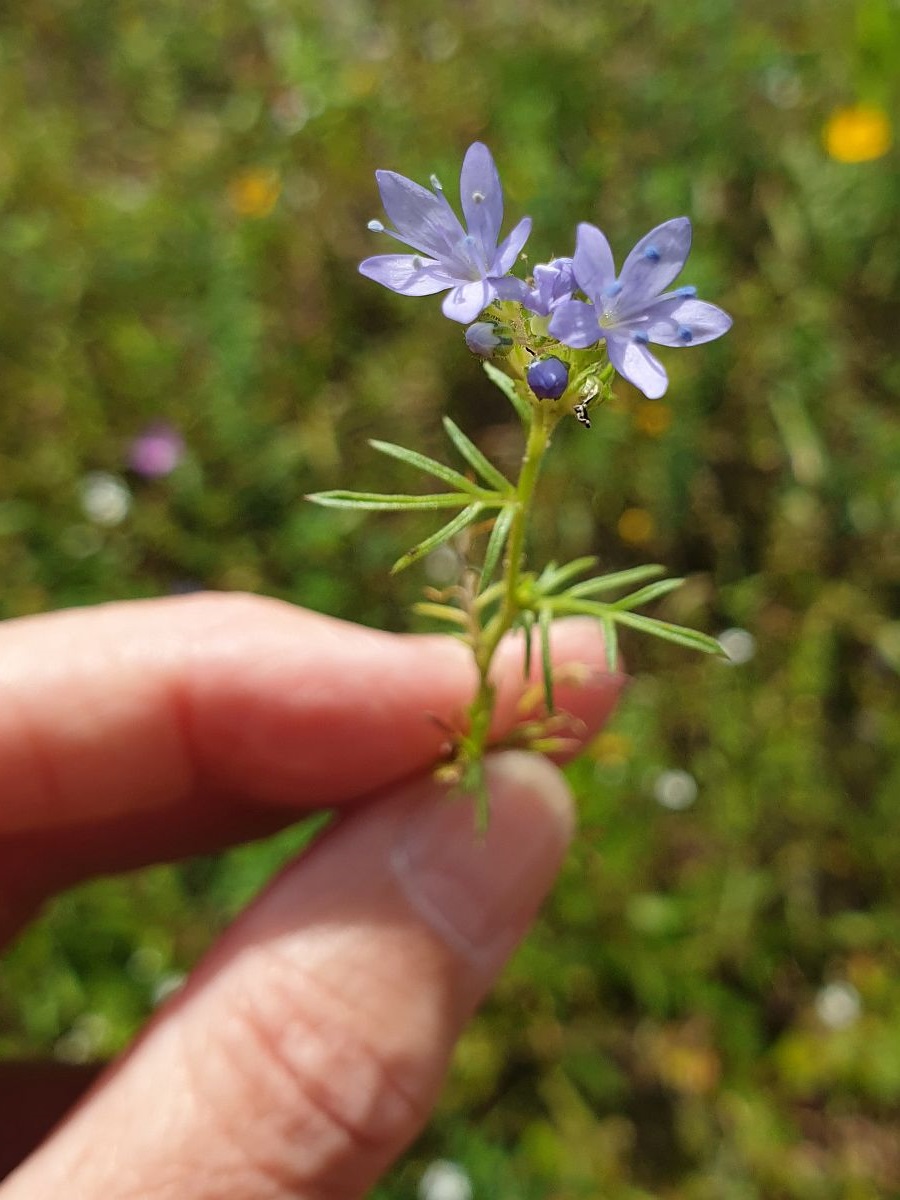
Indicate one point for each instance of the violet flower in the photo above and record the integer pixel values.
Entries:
(631, 310)
(156, 452)
(467, 261)
(553, 285)
(548, 378)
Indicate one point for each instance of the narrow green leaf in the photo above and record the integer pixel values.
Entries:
(441, 612)
(610, 643)
(388, 502)
(653, 591)
(496, 542)
(456, 525)
(678, 634)
(618, 579)
(430, 466)
(553, 577)
(526, 620)
(510, 391)
(545, 617)
(476, 460)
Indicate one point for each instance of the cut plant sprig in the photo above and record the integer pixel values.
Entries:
(554, 343)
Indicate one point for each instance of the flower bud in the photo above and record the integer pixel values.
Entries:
(548, 378)
(489, 340)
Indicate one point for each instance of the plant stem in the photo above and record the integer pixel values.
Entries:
(474, 743)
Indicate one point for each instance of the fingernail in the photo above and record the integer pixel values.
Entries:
(479, 893)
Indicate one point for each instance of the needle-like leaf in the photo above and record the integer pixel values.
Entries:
(453, 527)
(510, 391)
(430, 466)
(387, 502)
(476, 460)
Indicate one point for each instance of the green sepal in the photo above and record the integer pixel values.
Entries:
(430, 466)
(476, 460)
(508, 387)
(454, 526)
(388, 502)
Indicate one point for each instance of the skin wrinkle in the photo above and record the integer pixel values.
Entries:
(254, 1052)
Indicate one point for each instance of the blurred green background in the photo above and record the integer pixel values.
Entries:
(710, 1005)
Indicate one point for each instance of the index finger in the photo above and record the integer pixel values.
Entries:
(155, 729)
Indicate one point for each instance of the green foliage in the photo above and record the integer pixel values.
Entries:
(184, 193)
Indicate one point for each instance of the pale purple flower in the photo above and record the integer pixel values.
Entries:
(467, 261)
(156, 452)
(484, 339)
(552, 284)
(631, 310)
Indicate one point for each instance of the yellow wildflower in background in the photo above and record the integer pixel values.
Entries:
(610, 749)
(653, 418)
(636, 526)
(255, 192)
(858, 133)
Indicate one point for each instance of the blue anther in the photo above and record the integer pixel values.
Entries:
(685, 334)
(652, 254)
(641, 338)
(687, 292)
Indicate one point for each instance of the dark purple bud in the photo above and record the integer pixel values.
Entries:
(548, 378)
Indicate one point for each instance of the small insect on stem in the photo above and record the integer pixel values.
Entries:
(580, 412)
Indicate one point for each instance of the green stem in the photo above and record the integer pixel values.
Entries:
(481, 710)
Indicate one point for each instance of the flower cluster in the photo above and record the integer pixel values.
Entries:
(618, 315)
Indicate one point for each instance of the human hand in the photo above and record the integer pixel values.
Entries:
(307, 1048)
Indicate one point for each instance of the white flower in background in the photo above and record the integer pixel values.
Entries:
(675, 790)
(445, 1180)
(838, 1005)
(105, 499)
(738, 644)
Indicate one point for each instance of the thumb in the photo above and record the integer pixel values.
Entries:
(307, 1050)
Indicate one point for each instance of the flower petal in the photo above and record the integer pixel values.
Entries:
(407, 273)
(676, 321)
(482, 197)
(594, 266)
(508, 252)
(635, 363)
(422, 219)
(510, 287)
(575, 324)
(653, 264)
(465, 302)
